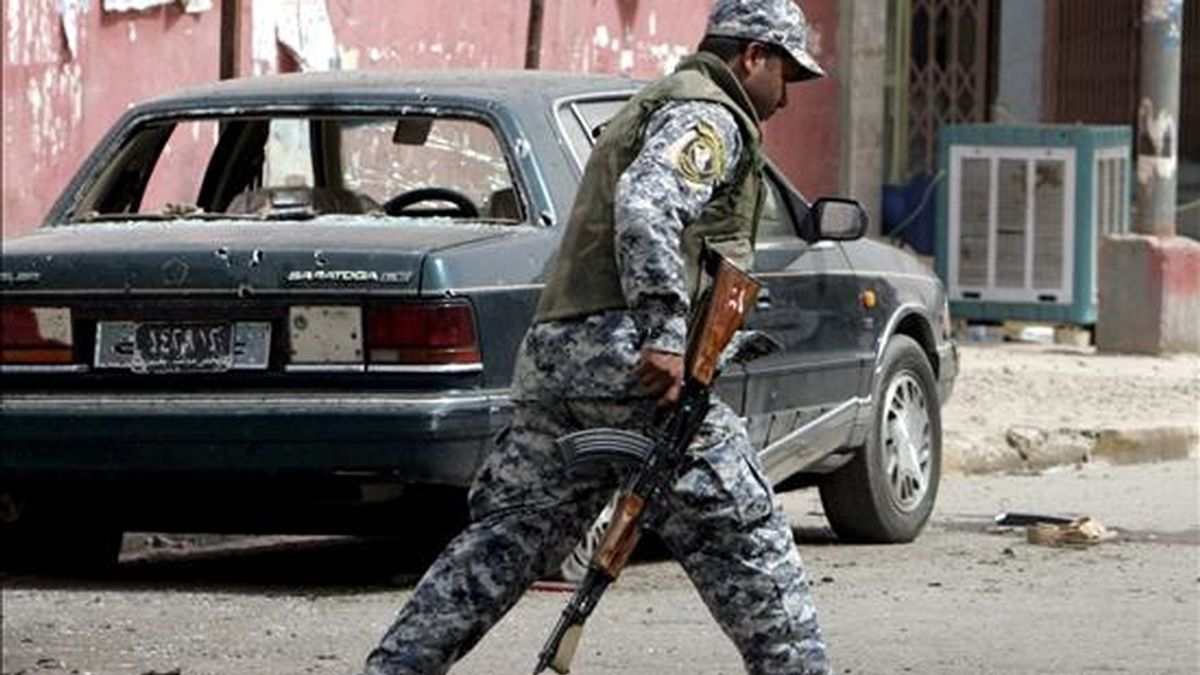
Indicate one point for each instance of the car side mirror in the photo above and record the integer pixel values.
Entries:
(836, 219)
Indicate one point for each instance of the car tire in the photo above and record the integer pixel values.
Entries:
(886, 493)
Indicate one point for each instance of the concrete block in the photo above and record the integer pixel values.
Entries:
(1027, 449)
(1132, 446)
(1073, 336)
(1028, 331)
(1149, 290)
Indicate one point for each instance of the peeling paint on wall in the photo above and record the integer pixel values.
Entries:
(1157, 143)
(189, 6)
(51, 131)
(71, 12)
(302, 27)
(32, 33)
(668, 56)
(133, 5)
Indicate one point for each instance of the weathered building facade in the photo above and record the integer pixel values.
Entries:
(71, 67)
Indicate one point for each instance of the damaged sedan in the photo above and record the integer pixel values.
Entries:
(292, 304)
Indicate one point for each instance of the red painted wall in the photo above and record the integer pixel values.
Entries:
(58, 105)
(647, 38)
(803, 138)
(445, 34)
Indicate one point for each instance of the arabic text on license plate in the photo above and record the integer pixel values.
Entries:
(182, 347)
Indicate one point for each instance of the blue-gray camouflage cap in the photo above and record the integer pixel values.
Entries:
(775, 22)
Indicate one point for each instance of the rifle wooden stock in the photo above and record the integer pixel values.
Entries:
(732, 294)
(721, 313)
(622, 534)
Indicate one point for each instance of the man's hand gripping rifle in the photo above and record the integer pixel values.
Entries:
(721, 313)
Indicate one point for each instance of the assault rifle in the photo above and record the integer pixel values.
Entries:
(722, 310)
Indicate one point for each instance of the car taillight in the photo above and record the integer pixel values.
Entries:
(418, 334)
(35, 335)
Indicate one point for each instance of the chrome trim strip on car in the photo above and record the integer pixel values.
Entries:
(434, 369)
(470, 290)
(324, 368)
(19, 368)
(236, 403)
(819, 422)
(844, 273)
(427, 369)
(765, 366)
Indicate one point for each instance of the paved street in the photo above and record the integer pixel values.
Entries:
(964, 599)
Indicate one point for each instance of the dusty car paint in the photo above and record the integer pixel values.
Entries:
(313, 414)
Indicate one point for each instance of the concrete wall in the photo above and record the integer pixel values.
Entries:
(1019, 86)
(70, 68)
(864, 37)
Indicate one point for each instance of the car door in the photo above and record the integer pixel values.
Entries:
(800, 402)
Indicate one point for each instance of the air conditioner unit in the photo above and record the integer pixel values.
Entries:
(1020, 216)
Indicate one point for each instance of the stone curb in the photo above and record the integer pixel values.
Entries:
(1030, 449)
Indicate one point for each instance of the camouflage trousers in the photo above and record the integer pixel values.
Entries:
(528, 511)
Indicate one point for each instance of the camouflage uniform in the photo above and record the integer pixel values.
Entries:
(528, 511)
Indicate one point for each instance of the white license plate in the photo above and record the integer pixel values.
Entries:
(182, 347)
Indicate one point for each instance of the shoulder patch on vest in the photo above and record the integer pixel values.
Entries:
(700, 156)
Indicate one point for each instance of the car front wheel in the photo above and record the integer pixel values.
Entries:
(886, 493)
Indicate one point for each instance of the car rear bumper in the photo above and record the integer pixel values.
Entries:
(424, 438)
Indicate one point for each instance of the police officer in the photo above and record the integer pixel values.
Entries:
(677, 170)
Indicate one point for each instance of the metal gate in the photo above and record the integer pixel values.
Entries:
(1092, 61)
(1189, 95)
(942, 46)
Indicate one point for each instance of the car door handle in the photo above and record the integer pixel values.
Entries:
(764, 299)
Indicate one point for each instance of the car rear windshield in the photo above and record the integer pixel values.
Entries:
(415, 166)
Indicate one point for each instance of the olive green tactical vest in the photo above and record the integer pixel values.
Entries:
(585, 278)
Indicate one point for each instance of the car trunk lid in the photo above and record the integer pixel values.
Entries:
(234, 256)
(257, 300)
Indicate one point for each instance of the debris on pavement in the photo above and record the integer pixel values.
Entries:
(1010, 519)
(1081, 532)
(1050, 530)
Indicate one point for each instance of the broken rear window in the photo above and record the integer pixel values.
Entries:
(297, 167)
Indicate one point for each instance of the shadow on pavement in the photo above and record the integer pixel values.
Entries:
(335, 565)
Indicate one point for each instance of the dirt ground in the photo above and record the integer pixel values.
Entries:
(965, 598)
(1027, 406)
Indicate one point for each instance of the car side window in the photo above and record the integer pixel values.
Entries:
(583, 120)
(778, 222)
(774, 223)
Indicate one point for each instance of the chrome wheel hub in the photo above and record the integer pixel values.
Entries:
(906, 441)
